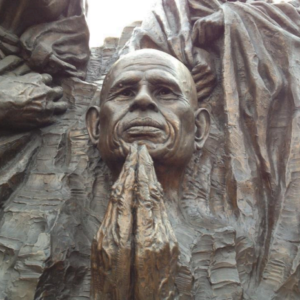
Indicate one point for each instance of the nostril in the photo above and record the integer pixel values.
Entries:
(143, 105)
(132, 107)
(152, 106)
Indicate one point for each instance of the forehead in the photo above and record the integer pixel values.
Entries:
(151, 73)
(146, 65)
(154, 66)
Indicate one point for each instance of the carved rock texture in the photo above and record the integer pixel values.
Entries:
(246, 178)
(54, 194)
(239, 237)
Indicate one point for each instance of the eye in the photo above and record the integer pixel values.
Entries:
(164, 92)
(127, 93)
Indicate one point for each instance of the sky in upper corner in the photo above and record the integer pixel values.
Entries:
(107, 18)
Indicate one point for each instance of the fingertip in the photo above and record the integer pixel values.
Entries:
(129, 179)
(132, 150)
(143, 148)
(58, 90)
(46, 78)
(144, 154)
(55, 94)
(60, 107)
(141, 172)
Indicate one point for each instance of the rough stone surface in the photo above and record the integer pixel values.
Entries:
(241, 192)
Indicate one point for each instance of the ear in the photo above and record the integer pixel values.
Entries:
(93, 124)
(202, 127)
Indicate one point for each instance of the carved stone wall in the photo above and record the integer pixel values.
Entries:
(240, 238)
(55, 191)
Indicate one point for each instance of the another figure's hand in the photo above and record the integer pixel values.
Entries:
(112, 249)
(9, 43)
(176, 25)
(28, 102)
(203, 74)
(156, 248)
(208, 29)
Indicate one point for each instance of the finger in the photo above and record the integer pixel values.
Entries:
(10, 63)
(202, 76)
(189, 54)
(60, 107)
(22, 70)
(142, 185)
(54, 94)
(199, 32)
(195, 31)
(44, 121)
(125, 179)
(200, 70)
(129, 182)
(31, 77)
(8, 37)
(131, 159)
(61, 63)
(175, 45)
(206, 83)
(47, 79)
(130, 162)
(9, 48)
(77, 73)
(188, 48)
(146, 160)
(121, 200)
(149, 189)
(2, 55)
(35, 107)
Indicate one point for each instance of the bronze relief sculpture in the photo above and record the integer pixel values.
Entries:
(149, 110)
(194, 192)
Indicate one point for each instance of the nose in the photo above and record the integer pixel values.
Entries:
(143, 101)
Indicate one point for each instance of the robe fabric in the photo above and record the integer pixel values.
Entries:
(248, 173)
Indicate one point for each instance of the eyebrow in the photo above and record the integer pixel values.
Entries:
(165, 79)
(124, 81)
(154, 78)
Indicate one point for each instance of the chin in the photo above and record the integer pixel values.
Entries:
(158, 151)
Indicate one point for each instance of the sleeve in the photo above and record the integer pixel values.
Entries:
(58, 48)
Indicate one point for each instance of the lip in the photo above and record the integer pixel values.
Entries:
(143, 131)
(143, 125)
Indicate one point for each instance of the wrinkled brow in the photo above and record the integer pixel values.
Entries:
(126, 80)
(163, 79)
(155, 78)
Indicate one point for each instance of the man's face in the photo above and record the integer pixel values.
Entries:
(148, 98)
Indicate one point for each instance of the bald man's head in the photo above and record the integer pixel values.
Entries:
(150, 58)
(149, 98)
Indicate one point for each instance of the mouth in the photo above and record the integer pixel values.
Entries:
(143, 127)
(143, 124)
(140, 131)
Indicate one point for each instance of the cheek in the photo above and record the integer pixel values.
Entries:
(182, 118)
(110, 115)
(187, 118)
